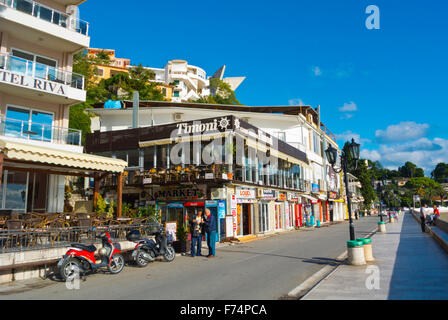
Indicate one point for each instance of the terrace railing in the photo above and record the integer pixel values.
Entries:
(40, 71)
(48, 14)
(38, 239)
(39, 132)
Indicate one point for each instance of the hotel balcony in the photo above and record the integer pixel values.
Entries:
(41, 134)
(34, 80)
(36, 23)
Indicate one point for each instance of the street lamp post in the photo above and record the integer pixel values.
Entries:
(332, 155)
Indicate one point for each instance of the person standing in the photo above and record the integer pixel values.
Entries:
(210, 229)
(196, 224)
(423, 217)
(436, 214)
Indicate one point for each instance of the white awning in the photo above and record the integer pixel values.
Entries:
(49, 156)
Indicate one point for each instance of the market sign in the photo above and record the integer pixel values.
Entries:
(33, 83)
(180, 193)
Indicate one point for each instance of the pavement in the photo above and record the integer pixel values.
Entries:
(410, 265)
(264, 269)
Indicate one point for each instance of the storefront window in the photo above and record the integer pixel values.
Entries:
(14, 191)
(148, 156)
(263, 217)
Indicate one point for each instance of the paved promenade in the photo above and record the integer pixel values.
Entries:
(410, 265)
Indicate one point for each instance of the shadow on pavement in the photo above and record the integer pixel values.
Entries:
(421, 266)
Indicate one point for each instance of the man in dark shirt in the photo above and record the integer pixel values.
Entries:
(196, 224)
(210, 229)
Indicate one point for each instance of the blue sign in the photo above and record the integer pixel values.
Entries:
(175, 205)
(316, 188)
(222, 219)
(211, 203)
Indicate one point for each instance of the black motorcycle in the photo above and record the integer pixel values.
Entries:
(147, 250)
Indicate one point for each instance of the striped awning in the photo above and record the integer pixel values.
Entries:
(43, 155)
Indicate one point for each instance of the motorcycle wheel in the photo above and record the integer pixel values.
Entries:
(170, 254)
(69, 268)
(140, 260)
(116, 264)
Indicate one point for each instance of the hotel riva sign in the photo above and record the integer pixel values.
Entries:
(33, 83)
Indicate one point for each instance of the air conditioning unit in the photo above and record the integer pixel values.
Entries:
(72, 11)
(219, 194)
(178, 117)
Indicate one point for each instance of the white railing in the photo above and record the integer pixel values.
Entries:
(45, 13)
(39, 132)
(40, 71)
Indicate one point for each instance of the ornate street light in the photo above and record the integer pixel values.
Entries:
(332, 155)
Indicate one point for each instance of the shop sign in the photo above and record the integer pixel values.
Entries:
(180, 193)
(175, 205)
(315, 188)
(293, 197)
(282, 196)
(211, 203)
(147, 181)
(268, 194)
(171, 228)
(194, 204)
(332, 195)
(245, 193)
(209, 176)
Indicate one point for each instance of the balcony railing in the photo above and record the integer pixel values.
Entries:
(39, 132)
(48, 14)
(40, 71)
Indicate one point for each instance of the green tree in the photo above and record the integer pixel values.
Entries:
(221, 93)
(440, 173)
(425, 187)
(410, 170)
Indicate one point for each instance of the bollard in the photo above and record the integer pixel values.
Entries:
(356, 255)
(382, 227)
(368, 253)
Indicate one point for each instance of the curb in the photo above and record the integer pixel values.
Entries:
(302, 290)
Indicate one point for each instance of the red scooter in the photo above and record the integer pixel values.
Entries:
(81, 258)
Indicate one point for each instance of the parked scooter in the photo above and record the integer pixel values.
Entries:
(81, 258)
(147, 250)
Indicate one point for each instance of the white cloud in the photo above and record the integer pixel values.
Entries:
(316, 71)
(349, 107)
(349, 135)
(373, 155)
(296, 102)
(404, 131)
(425, 153)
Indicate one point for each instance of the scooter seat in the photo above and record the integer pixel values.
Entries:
(91, 248)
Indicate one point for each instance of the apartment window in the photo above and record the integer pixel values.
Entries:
(176, 94)
(26, 63)
(28, 123)
(176, 82)
(281, 136)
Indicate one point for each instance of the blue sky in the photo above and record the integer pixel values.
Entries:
(388, 87)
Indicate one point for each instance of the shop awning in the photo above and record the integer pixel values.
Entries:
(308, 197)
(202, 137)
(44, 155)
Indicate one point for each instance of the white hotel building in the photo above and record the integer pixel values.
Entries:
(37, 88)
(190, 82)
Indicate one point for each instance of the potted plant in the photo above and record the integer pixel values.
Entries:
(182, 244)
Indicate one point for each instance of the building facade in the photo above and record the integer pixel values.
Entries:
(262, 201)
(37, 87)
